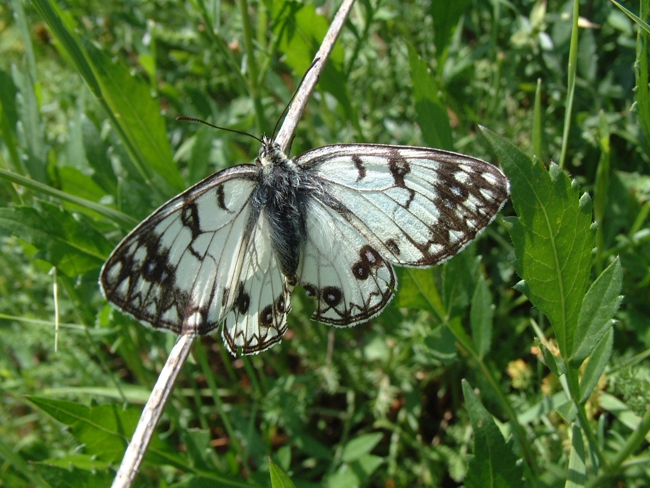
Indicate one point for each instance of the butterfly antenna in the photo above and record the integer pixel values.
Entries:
(286, 108)
(193, 119)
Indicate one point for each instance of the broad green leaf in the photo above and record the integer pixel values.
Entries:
(9, 119)
(445, 17)
(494, 463)
(135, 116)
(73, 477)
(279, 479)
(104, 430)
(442, 341)
(598, 308)
(577, 472)
(72, 245)
(31, 130)
(431, 111)
(418, 289)
(360, 446)
(76, 183)
(480, 317)
(596, 365)
(459, 277)
(137, 119)
(552, 236)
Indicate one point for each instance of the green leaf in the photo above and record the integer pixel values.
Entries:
(279, 479)
(596, 365)
(480, 317)
(360, 446)
(494, 463)
(134, 114)
(72, 245)
(445, 17)
(552, 236)
(137, 119)
(418, 290)
(104, 430)
(431, 112)
(577, 474)
(598, 308)
(60, 477)
(441, 342)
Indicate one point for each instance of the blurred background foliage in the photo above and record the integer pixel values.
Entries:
(381, 404)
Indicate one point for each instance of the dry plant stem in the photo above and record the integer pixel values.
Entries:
(288, 129)
(155, 405)
(152, 411)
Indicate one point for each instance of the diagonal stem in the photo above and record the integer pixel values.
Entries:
(160, 394)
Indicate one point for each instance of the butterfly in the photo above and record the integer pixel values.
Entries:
(230, 250)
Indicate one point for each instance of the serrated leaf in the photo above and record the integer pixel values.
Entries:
(72, 245)
(279, 479)
(480, 317)
(598, 308)
(596, 365)
(104, 430)
(552, 236)
(360, 446)
(494, 463)
(431, 112)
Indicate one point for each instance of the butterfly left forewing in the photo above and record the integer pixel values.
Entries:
(416, 206)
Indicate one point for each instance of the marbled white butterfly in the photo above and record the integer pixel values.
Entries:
(333, 220)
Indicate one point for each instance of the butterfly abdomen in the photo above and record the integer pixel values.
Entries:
(284, 201)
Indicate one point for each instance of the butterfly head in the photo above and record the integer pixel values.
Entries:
(270, 153)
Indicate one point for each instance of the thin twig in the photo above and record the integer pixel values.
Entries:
(152, 412)
(162, 389)
(288, 129)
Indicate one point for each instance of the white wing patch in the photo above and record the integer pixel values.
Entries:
(178, 269)
(415, 206)
(259, 298)
(341, 270)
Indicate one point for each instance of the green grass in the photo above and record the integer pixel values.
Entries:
(518, 359)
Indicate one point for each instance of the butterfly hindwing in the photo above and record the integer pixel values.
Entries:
(259, 294)
(342, 270)
(415, 206)
(173, 269)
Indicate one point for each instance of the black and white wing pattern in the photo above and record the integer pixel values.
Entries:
(380, 205)
(334, 220)
(203, 259)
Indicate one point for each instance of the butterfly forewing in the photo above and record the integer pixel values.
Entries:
(415, 206)
(173, 270)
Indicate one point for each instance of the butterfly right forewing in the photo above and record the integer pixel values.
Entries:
(173, 270)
